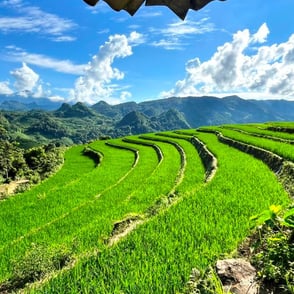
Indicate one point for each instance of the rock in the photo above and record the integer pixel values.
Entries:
(237, 276)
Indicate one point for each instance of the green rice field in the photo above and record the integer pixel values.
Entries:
(142, 216)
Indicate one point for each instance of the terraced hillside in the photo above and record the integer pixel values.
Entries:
(136, 214)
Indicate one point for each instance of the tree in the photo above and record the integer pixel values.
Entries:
(12, 163)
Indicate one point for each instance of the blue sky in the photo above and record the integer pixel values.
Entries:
(66, 50)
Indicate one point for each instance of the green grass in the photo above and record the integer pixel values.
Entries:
(85, 226)
(206, 223)
(261, 130)
(156, 178)
(282, 149)
(26, 215)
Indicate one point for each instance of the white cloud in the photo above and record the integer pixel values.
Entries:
(172, 37)
(5, 88)
(136, 38)
(27, 82)
(39, 91)
(32, 19)
(171, 43)
(96, 82)
(14, 3)
(64, 39)
(188, 27)
(268, 70)
(25, 78)
(16, 54)
(124, 95)
(56, 98)
(96, 78)
(261, 35)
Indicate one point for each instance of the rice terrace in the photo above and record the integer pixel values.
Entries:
(153, 213)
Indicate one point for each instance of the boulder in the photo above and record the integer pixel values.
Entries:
(237, 276)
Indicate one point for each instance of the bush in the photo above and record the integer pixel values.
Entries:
(273, 249)
(38, 262)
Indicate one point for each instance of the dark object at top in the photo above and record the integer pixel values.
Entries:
(179, 7)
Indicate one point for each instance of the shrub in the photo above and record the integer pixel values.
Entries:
(38, 262)
(273, 250)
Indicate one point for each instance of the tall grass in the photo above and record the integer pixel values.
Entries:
(261, 131)
(85, 226)
(206, 223)
(282, 149)
(24, 216)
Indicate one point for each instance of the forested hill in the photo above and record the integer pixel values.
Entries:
(31, 124)
(205, 110)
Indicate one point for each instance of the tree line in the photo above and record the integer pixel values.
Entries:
(33, 164)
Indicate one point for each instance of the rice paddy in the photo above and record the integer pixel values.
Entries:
(144, 216)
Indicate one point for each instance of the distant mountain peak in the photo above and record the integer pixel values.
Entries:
(132, 118)
(77, 110)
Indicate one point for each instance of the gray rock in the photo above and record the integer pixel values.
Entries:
(237, 276)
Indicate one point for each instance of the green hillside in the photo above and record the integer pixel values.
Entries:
(138, 213)
(80, 123)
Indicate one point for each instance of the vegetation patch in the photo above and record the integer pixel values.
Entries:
(22, 168)
(272, 248)
(153, 186)
(208, 159)
(38, 261)
(120, 146)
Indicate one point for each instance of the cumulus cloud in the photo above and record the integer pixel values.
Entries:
(27, 82)
(25, 78)
(5, 88)
(97, 81)
(261, 35)
(136, 38)
(269, 69)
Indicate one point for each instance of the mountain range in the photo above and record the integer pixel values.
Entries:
(31, 120)
(199, 111)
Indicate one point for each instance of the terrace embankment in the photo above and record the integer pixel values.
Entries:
(135, 151)
(281, 129)
(125, 226)
(208, 159)
(277, 139)
(93, 154)
(282, 168)
(154, 146)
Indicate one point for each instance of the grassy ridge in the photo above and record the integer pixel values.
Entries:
(282, 149)
(262, 130)
(209, 221)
